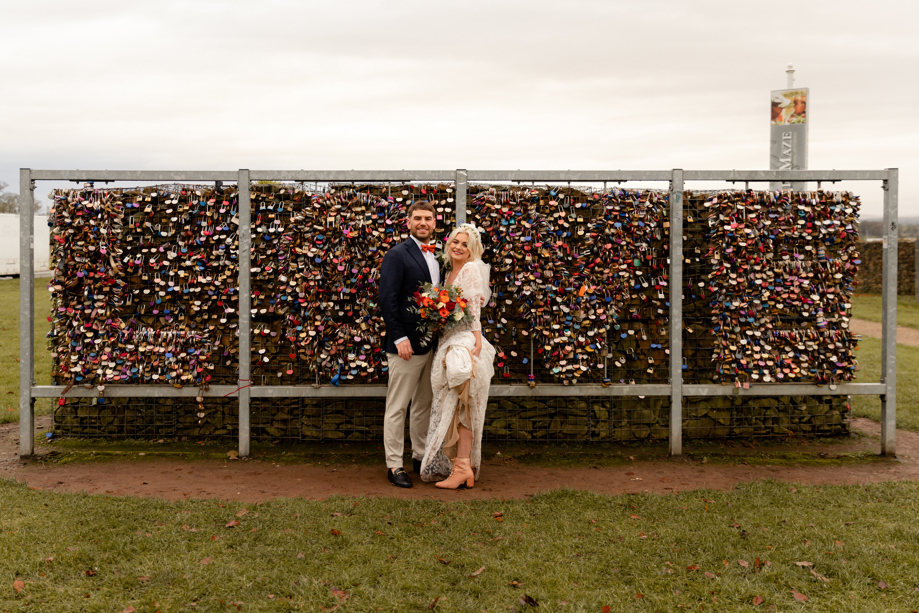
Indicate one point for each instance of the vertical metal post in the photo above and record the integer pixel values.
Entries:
(460, 196)
(676, 312)
(245, 313)
(531, 378)
(884, 286)
(889, 334)
(26, 314)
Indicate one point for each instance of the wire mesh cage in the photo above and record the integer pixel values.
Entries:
(580, 288)
(316, 258)
(776, 416)
(768, 280)
(587, 418)
(147, 418)
(144, 285)
(145, 291)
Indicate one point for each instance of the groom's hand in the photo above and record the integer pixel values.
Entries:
(405, 349)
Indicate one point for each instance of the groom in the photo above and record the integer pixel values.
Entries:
(405, 267)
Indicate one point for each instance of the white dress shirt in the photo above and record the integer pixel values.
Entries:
(431, 259)
(433, 268)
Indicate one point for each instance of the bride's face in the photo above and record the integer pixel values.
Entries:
(458, 248)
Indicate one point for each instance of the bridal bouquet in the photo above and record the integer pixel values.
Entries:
(441, 308)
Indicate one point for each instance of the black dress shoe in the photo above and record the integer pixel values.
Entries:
(416, 466)
(399, 478)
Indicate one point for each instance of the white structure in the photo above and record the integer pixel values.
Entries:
(9, 244)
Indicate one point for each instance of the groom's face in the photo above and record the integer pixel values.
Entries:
(421, 225)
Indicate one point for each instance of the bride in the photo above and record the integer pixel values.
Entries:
(461, 373)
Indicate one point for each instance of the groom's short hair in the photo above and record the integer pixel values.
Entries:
(420, 205)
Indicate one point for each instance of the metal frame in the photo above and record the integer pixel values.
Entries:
(675, 335)
(886, 388)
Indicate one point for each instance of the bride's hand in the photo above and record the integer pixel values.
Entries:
(477, 350)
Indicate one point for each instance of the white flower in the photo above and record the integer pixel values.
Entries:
(458, 315)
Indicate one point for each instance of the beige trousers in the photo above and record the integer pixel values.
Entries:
(408, 380)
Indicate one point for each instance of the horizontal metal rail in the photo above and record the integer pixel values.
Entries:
(132, 391)
(134, 175)
(449, 175)
(787, 389)
(583, 389)
(786, 175)
(363, 176)
(501, 391)
(569, 175)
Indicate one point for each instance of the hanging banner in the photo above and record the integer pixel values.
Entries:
(788, 133)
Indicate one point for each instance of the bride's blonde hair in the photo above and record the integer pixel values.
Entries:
(473, 243)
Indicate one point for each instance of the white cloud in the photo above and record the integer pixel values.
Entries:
(500, 84)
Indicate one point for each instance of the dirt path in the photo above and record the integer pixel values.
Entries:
(905, 336)
(257, 480)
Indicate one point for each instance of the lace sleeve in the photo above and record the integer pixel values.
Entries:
(471, 282)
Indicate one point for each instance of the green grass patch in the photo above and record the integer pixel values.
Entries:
(869, 307)
(869, 357)
(9, 347)
(846, 548)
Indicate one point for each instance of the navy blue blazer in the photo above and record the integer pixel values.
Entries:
(403, 271)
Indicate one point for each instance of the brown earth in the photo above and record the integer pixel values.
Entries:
(501, 477)
(905, 336)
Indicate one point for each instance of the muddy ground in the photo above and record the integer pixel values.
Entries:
(508, 471)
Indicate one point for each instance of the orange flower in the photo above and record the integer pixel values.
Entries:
(444, 312)
(427, 301)
(462, 303)
(444, 296)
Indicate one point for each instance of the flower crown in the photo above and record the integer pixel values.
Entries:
(468, 227)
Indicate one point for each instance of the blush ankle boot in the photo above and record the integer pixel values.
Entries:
(460, 477)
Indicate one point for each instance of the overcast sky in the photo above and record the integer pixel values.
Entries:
(535, 84)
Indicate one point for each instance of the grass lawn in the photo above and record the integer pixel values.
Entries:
(869, 357)
(9, 347)
(868, 307)
(843, 548)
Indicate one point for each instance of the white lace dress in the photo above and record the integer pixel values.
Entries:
(447, 409)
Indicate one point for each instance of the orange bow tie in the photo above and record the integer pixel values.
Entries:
(428, 248)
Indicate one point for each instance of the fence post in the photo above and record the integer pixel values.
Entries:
(26, 314)
(675, 284)
(245, 313)
(890, 247)
(460, 189)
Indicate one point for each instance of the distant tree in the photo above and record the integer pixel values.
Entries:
(9, 201)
